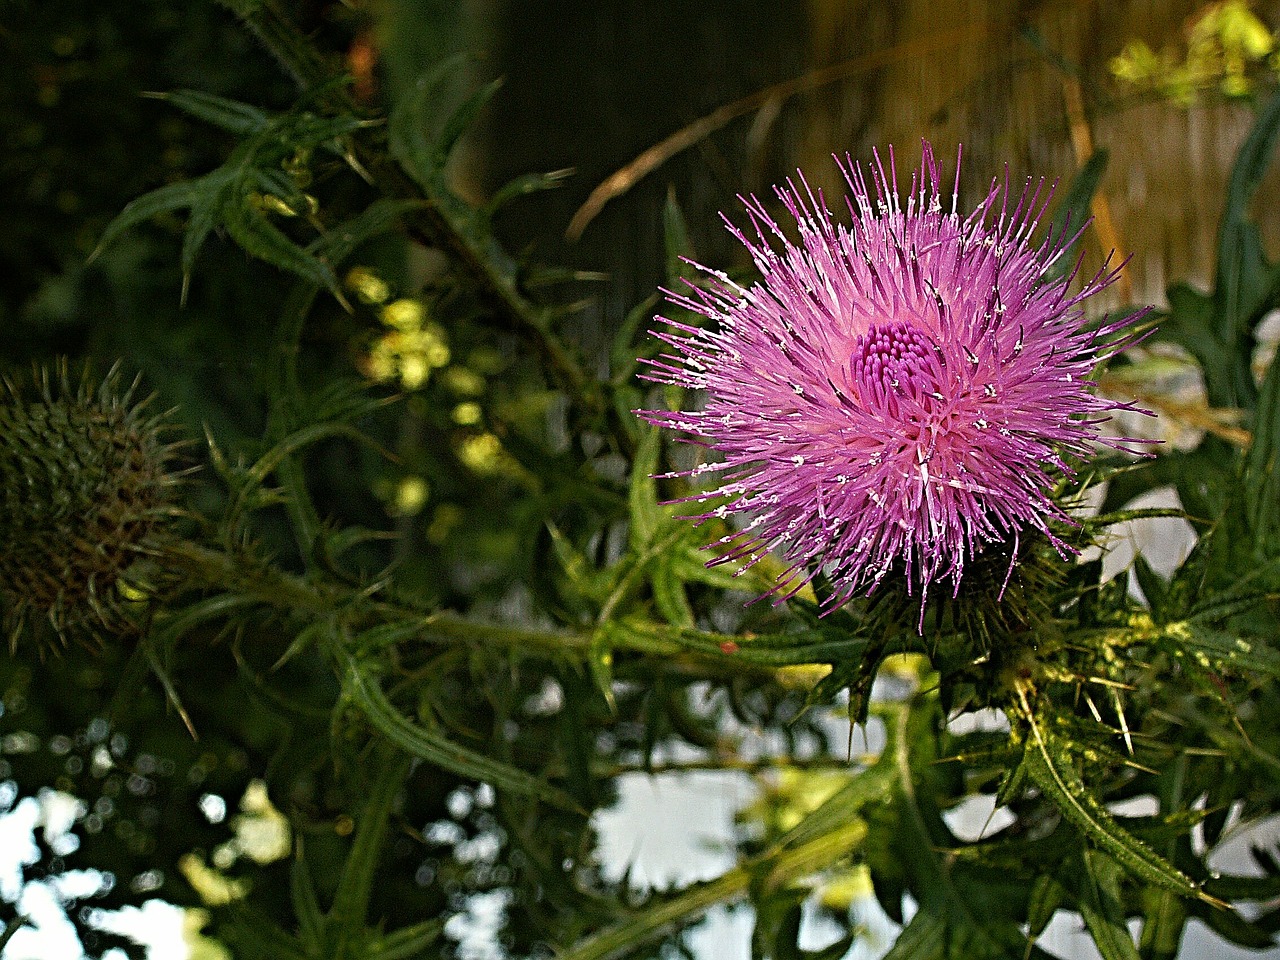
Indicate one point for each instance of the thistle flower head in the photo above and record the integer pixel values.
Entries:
(893, 397)
(85, 486)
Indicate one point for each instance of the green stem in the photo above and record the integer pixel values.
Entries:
(689, 652)
(348, 917)
(769, 872)
(17, 924)
(718, 764)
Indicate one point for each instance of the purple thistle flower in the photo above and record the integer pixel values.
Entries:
(895, 395)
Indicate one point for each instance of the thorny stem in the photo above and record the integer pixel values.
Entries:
(349, 914)
(770, 871)
(268, 586)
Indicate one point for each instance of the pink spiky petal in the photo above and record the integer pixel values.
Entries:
(893, 397)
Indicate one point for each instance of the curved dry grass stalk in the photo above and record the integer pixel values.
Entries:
(625, 178)
(1190, 414)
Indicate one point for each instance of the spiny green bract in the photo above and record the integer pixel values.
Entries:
(85, 489)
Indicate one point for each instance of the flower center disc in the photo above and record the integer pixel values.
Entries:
(889, 357)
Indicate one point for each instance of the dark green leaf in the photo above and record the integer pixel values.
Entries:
(348, 913)
(1101, 907)
(260, 238)
(338, 243)
(924, 938)
(1233, 927)
(601, 664)
(411, 123)
(175, 196)
(1164, 918)
(1262, 473)
(1072, 215)
(255, 936)
(407, 943)
(230, 115)
(434, 748)
(214, 195)
(1218, 650)
(669, 591)
(642, 495)
(306, 905)
(1052, 767)
(461, 120)
(1242, 270)
(1154, 588)
(524, 185)
(675, 238)
(1047, 895)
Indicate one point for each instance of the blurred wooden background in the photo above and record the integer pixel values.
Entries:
(1019, 82)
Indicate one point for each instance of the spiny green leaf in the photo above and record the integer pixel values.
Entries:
(230, 115)
(1240, 260)
(301, 130)
(1115, 517)
(175, 196)
(642, 495)
(461, 120)
(689, 563)
(524, 185)
(601, 665)
(585, 580)
(1217, 330)
(1218, 650)
(262, 239)
(622, 354)
(338, 243)
(1052, 767)
(387, 635)
(246, 9)
(1101, 907)
(407, 943)
(213, 196)
(763, 650)
(1154, 588)
(866, 787)
(348, 914)
(306, 905)
(924, 938)
(278, 184)
(1047, 895)
(410, 123)
(669, 591)
(417, 741)
(1234, 928)
(1164, 917)
(1014, 782)
(675, 237)
(1262, 474)
(299, 440)
(1192, 324)
(253, 935)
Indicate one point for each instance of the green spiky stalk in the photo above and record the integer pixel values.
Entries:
(86, 489)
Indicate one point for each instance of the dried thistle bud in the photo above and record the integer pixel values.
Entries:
(85, 489)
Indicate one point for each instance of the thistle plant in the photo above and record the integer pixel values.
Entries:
(897, 396)
(428, 611)
(88, 482)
